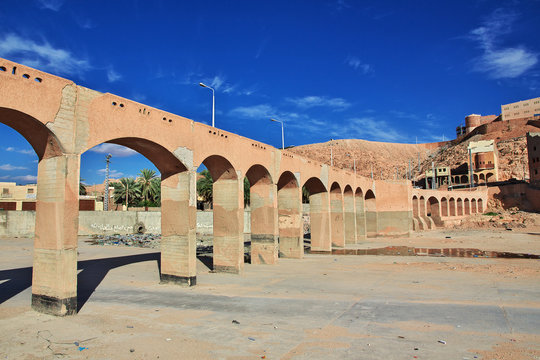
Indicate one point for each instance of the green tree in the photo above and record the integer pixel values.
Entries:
(155, 184)
(247, 193)
(126, 191)
(305, 195)
(146, 176)
(205, 185)
(82, 187)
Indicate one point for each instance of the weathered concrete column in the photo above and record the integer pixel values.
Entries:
(360, 218)
(228, 197)
(319, 213)
(336, 216)
(349, 218)
(371, 214)
(178, 229)
(54, 275)
(291, 231)
(264, 223)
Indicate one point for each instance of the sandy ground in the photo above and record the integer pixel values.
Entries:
(320, 307)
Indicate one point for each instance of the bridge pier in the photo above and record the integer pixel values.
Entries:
(320, 222)
(349, 217)
(178, 229)
(54, 274)
(360, 216)
(264, 226)
(291, 230)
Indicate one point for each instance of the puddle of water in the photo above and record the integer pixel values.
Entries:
(448, 252)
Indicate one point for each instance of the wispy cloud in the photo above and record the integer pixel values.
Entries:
(22, 151)
(9, 167)
(115, 174)
(217, 82)
(340, 5)
(43, 56)
(53, 5)
(367, 128)
(254, 112)
(358, 65)
(498, 61)
(113, 76)
(21, 178)
(114, 150)
(320, 101)
(403, 115)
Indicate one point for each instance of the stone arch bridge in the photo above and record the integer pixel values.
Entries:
(62, 120)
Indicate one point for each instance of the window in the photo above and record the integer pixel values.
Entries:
(5, 191)
(30, 191)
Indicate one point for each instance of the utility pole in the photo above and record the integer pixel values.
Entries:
(127, 194)
(106, 196)
(433, 177)
(471, 172)
(331, 153)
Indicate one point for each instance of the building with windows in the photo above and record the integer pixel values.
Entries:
(533, 149)
(17, 197)
(521, 110)
(484, 161)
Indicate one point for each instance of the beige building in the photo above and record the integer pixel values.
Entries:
(17, 197)
(522, 109)
(442, 177)
(533, 148)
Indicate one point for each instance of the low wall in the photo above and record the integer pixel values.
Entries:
(522, 196)
(22, 223)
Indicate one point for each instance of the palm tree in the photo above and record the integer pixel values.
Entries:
(126, 190)
(82, 187)
(305, 195)
(204, 186)
(155, 184)
(247, 192)
(145, 182)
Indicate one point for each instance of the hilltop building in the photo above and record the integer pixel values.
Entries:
(525, 109)
(533, 148)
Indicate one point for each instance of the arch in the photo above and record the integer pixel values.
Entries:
(319, 215)
(466, 207)
(464, 179)
(336, 215)
(452, 206)
(360, 215)
(480, 204)
(40, 137)
(444, 207)
(290, 218)
(349, 217)
(415, 206)
(482, 179)
(433, 210)
(489, 175)
(459, 207)
(422, 207)
(475, 177)
(455, 180)
(370, 203)
(264, 216)
(228, 204)
(474, 210)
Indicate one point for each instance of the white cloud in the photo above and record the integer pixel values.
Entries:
(22, 178)
(22, 151)
(114, 174)
(497, 61)
(113, 76)
(9, 167)
(42, 56)
(53, 5)
(114, 150)
(358, 65)
(320, 101)
(254, 112)
(403, 115)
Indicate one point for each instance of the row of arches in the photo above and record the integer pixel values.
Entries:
(482, 178)
(431, 212)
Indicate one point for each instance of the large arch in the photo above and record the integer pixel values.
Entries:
(319, 215)
(360, 215)
(336, 215)
(422, 207)
(480, 204)
(349, 217)
(291, 231)
(371, 214)
(474, 210)
(228, 204)
(264, 216)
(466, 207)
(433, 210)
(459, 207)
(489, 175)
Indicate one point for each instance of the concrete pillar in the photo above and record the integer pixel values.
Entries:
(360, 218)
(371, 214)
(228, 195)
(349, 218)
(264, 223)
(291, 231)
(319, 213)
(54, 276)
(336, 227)
(178, 229)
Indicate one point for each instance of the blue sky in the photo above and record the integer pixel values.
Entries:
(376, 70)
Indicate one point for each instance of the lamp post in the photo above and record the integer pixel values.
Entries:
(213, 102)
(282, 133)
(106, 195)
(331, 153)
(354, 163)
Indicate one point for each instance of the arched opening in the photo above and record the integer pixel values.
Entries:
(464, 179)
(415, 206)
(422, 206)
(264, 216)
(371, 214)
(474, 210)
(452, 206)
(466, 207)
(459, 207)
(360, 215)
(455, 180)
(228, 215)
(489, 177)
(290, 217)
(336, 209)
(475, 177)
(480, 206)
(349, 217)
(482, 179)
(319, 215)
(444, 207)
(433, 210)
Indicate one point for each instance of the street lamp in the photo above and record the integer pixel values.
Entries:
(213, 102)
(354, 163)
(282, 133)
(331, 153)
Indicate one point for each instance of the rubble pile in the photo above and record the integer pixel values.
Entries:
(502, 219)
(138, 240)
